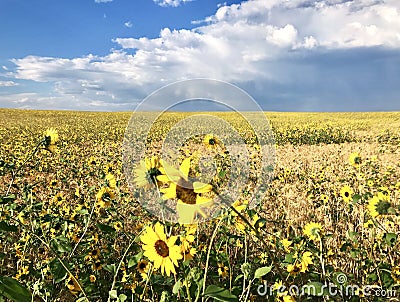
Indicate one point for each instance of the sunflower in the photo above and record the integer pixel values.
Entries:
(187, 192)
(108, 168)
(104, 197)
(222, 270)
(189, 254)
(324, 198)
(369, 224)
(111, 182)
(396, 274)
(378, 206)
(147, 171)
(53, 183)
(50, 139)
(97, 265)
(143, 268)
(286, 244)
(293, 269)
(306, 260)
(59, 198)
(210, 141)
(347, 193)
(355, 159)
(118, 226)
(313, 230)
(73, 285)
(160, 249)
(92, 161)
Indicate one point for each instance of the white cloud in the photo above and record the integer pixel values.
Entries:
(173, 3)
(257, 41)
(7, 83)
(103, 1)
(128, 24)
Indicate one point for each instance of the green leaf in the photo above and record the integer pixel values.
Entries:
(356, 197)
(58, 271)
(135, 259)
(105, 228)
(177, 287)
(61, 244)
(110, 268)
(7, 199)
(113, 294)
(13, 290)
(220, 294)
(262, 271)
(390, 238)
(4, 226)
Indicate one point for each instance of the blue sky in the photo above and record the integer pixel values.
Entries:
(298, 55)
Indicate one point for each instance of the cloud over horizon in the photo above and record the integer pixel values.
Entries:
(290, 55)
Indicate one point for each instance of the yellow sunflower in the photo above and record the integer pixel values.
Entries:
(143, 268)
(188, 193)
(50, 139)
(324, 198)
(147, 171)
(396, 274)
(313, 230)
(161, 250)
(306, 260)
(293, 269)
(59, 198)
(104, 197)
(222, 270)
(111, 181)
(355, 159)
(73, 285)
(378, 206)
(347, 193)
(92, 161)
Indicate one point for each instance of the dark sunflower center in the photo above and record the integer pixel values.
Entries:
(106, 196)
(152, 175)
(211, 141)
(142, 265)
(347, 194)
(47, 140)
(382, 207)
(296, 269)
(162, 248)
(59, 198)
(185, 192)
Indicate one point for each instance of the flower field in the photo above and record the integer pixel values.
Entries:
(73, 227)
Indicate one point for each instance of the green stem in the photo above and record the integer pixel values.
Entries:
(258, 235)
(14, 174)
(119, 265)
(208, 256)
